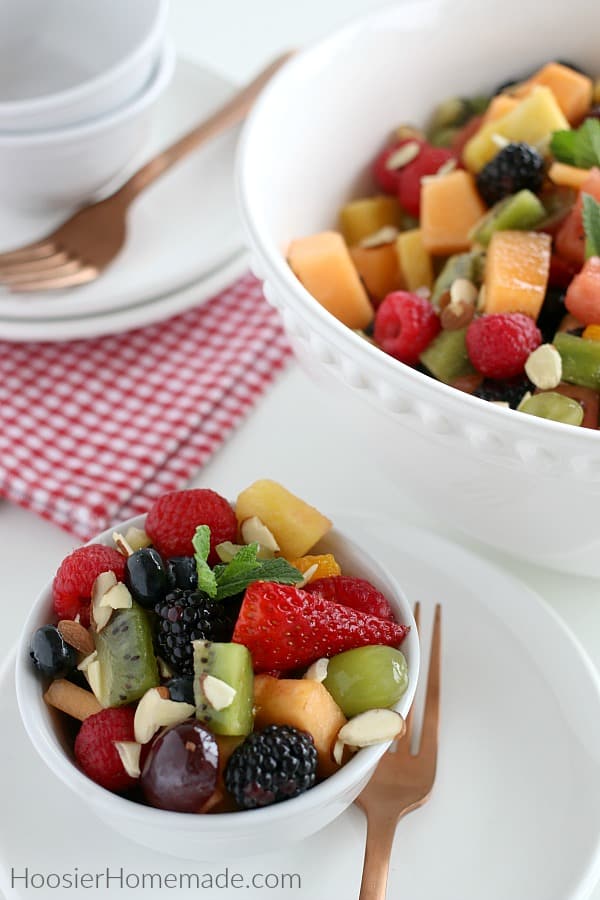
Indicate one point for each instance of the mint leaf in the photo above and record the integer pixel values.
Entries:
(206, 577)
(578, 147)
(591, 225)
(245, 568)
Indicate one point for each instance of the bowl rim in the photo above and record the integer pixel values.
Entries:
(321, 794)
(144, 46)
(301, 67)
(161, 75)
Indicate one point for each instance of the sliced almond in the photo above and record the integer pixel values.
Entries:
(500, 141)
(462, 290)
(93, 673)
(218, 693)
(101, 615)
(154, 712)
(375, 726)
(76, 636)
(544, 367)
(318, 670)
(338, 751)
(403, 156)
(137, 538)
(385, 235)
(122, 544)
(117, 597)
(129, 751)
(83, 665)
(71, 699)
(253, 530)
(307, 575)
(164, 669)
(227, 550)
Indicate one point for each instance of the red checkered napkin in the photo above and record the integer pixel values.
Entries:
(91, 432)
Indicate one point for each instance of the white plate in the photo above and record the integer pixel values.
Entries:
(180, 230)
(131, 316)
(516, 808)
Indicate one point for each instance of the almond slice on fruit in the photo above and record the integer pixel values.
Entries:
(76, 636)
(129, 751)
(94, 675)
(122, 544)
(117, 597)
(375, 726)
(307, 575)
(218, 693)
(101, 615)
(253, 530)
(154, 712)
(318, 670)
(137, 538)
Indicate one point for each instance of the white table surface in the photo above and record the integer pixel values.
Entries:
(235, 37)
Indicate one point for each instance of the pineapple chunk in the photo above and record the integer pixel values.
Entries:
(295, 524)
(362, 218)
(533, 120)
(415, 261)
(304, 704)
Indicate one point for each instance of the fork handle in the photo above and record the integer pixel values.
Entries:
(380, 837)
(228, 115)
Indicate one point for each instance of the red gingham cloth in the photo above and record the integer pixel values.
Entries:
(91, 432)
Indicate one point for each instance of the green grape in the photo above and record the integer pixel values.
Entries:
(366, 678)
(552, 405)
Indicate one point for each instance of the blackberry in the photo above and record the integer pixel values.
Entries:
(510, 392)
(186, 616)
(514, 168)
(552, 312)
(271, 765)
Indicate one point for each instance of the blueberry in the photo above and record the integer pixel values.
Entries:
(50, 653)
(146, 576)
(181, 690)
(183, 573)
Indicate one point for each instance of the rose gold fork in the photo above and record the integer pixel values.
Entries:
(403, 780)
(83, 246)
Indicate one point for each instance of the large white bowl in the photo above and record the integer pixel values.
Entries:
(228, 834)
(526, 485)
(68, 61)
(65, 167)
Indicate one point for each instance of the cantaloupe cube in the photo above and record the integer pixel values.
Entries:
(450, 207)
(499, 106)
(362, 218)
(326, 564)
(532, 120)
(415, 261)
(567, 176)
(378, 267)
(296, 525)
(573, 90)
(303, 704)
(323, 264)
(516, 272)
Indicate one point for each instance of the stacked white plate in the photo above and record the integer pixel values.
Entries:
(184, 241)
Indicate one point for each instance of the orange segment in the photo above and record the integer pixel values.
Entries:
(323, 264)
(326, 565)
(516, 272)
(450, 207)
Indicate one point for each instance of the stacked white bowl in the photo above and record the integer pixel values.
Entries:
(78, 82)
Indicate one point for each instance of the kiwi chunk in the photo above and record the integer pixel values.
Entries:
(462, 265)
(446, 357)
(232, 664)
(580, 359)
(128, 665)
(520, 212)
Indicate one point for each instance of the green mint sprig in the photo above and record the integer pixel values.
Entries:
(579, 146)
(233, 577)
(591, 225)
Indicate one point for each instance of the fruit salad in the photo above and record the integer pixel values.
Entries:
(211, 662)
(476, 258)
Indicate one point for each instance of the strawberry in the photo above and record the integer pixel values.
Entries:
(173, 518)
(356, 593)
(288, 628)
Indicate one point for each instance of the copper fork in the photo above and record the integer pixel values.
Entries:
(403, 780)
(84, 245)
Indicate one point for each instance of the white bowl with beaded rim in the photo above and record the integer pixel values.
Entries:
(525, 485)
(203, 837)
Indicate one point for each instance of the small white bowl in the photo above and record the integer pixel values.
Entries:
(65, 167)
(202, 837)
(66, 62)
(522, 484)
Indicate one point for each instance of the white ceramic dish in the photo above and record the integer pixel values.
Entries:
(186, 223)
(79, 62)
(516, 808)
(51, 170)
(525, 485)
(204, 837)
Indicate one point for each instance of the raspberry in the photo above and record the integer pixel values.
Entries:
(389, 179)
(95, 749)
(499, 344)
(405, 324)
(356, 593)
(72, 586)
(172, 521)
(428, 162)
